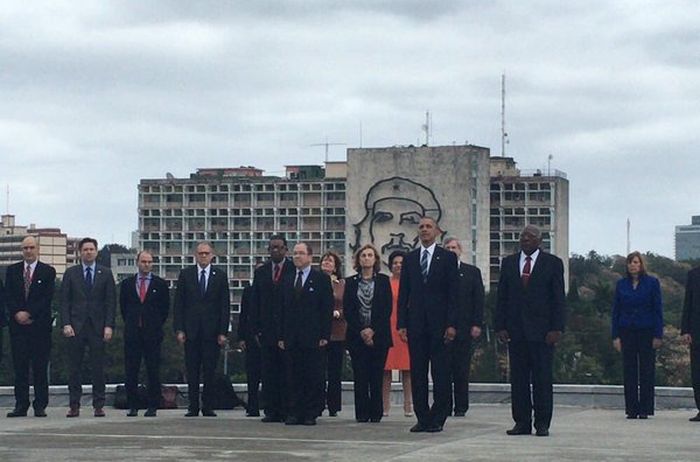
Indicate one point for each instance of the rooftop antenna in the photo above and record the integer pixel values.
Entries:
(428, 127)
(504, 134)
(326, 144)
(628, 236)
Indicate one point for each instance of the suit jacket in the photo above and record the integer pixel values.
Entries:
(151, 314)
(429, 307)
(266, 300)
(305, 317)
(471, 299)
(530, 312)
(381, 311)
(690, 320)
(196, 315)
(78, 305)
(244, 332)
(3, 317)
(37, 303)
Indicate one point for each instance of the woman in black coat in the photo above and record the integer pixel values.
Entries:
(367, 305)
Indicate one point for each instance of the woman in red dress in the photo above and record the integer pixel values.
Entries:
(397, 358)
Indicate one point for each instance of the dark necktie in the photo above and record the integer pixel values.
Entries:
(27, 281)
(278, 271)
(203, 283)
(298, 283)
(424, 265)
(88, 278)
(526, 270)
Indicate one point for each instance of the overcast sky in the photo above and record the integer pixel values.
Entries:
(95, 95)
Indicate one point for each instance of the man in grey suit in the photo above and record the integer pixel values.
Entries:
(88, 304)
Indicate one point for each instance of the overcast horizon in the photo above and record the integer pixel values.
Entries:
(97, 95)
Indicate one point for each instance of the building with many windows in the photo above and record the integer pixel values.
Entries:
(688, 240)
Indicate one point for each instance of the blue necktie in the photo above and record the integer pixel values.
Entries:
(88, 278)
(424, 265)
(202, 283)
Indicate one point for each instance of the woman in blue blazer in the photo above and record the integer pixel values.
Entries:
(367, 309)
(637, 331)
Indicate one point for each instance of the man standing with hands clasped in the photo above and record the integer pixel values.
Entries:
(201, 319)
(690, 330)
(530, 319)
(30, 288)
(88, 305)
(428, 318)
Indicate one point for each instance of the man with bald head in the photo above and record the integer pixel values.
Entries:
(30, 288)
(530, 319)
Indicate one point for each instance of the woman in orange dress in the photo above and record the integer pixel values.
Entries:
(397, 359)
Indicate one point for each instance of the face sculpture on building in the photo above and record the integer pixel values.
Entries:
(393, 208)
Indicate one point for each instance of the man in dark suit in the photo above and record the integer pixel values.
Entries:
(250, 345)
(3, 318)
(530, 318)
(266, 305)
(201, 320)
(305, 323)
(428, 318)
(29, 291)
(144, 304)
(471, 309)
(88, 305)
(690, 330)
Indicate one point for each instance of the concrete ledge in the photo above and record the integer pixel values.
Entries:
(590, 396)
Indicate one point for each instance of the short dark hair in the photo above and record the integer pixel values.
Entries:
(377, 258)
(336, 260)
(394, 254)
(278, 237)
(309, 250)
(87, 240)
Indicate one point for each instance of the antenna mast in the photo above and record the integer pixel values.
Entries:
(628, 236)
(504, 135)
(428, 127)
(326, 144)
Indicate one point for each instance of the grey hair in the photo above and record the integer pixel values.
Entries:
(449, 239)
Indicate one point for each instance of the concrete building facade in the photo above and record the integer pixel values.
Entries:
(687, 240)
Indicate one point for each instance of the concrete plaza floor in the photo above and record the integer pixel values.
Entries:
(577, 434)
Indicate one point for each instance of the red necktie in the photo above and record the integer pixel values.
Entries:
(526, 271)
(142, 289)
(278, 272)
(27, 280)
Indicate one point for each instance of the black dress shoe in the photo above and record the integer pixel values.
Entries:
(375, 419)
(208, 413)
(332, 413)
(252, 414)
(271, 418)
(362, 419)
(460, 413)
(643, 416)
(696, 418)
(310, 421)
(192, 413)
(292, 421)
(39, 412)
(542, 432)
(418, 428)
(150, 412)
(631, 416)
(132, 413)
(519, 430)
(434, 429)
(17, 413)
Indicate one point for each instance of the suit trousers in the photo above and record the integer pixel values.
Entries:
(531, 364)
(429, 352)
(368, 372)
(201, 357)
(460, 361)
(253, 371)
(305, 379)
(335, 356)
(87, 337)
(695, 370)
(638, 362)
(31, 345)
(274, 381)
(138, 347)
